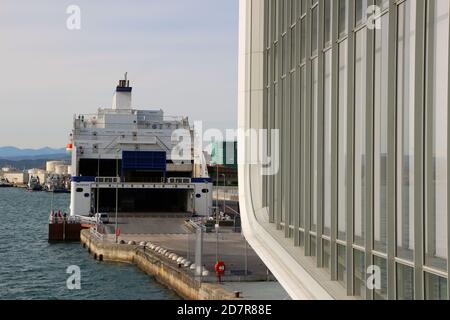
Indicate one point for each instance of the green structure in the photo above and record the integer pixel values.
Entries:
(224, 153)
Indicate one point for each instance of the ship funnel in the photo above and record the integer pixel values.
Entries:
(122, 96)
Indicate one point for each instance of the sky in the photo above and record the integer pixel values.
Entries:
(180, 55)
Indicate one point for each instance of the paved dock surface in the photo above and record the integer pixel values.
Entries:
(258, 290)
(147, 226)
(246, 272)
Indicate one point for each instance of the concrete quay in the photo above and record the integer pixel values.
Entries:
(175, 235)
(165, 271)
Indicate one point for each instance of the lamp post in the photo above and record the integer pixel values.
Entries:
(217, 214)
(117, 195)
(97, 197)
(98, 189)
(217, 193)
(224, 192)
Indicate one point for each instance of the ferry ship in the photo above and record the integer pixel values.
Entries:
(122, 160)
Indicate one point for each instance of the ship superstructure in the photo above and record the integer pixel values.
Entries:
(122, 159)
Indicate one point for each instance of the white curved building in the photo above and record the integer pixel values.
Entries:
(358, 91)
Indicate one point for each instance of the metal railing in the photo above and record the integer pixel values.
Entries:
(108, 180)
(179, 180)
(94, 232)
(147, 180)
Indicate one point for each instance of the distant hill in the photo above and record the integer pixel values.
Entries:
(16, 154)
(30, 158)
(23, 164)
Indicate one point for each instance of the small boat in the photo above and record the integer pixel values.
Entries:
(4, 183)
(56, 184)
(34, 184)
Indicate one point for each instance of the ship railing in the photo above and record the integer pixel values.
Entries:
(162, 180)
(92, 121)
(179, 180)
(107, 180)
(96, 234)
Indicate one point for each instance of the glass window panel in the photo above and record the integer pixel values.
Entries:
(327, 18)
(315, 106)
(269, 67)
(303, 106)
(342, 142)
(275, 53)
(436, 217)
(293, 47)
(326, 255)
(360, 137)
(360, 11)
(284, 55)
(303, 6)
(405, 282)
(277, 18)
(341, 265)
(283, 168)
(435, 287)
(303, 40)
(313, 246)
(302, 239)
(279, 195)
(293, 12)
(405, 128)
(384, 4)
(381, 134)
(381, 293)
(314, 30)
(327, 144)
(293, 121)
(275, 182)
(267, 24)
(343, 16)
(360, 275)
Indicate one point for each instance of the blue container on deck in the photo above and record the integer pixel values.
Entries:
(144, 160)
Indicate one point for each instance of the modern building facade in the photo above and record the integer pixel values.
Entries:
(358, 90)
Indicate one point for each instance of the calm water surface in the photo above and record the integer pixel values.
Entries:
(31, 268)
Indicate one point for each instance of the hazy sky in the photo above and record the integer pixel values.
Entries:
(181, 56)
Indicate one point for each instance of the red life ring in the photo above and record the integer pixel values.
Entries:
(219, 268)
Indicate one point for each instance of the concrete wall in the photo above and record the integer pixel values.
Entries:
(169, 275)
(17, 178)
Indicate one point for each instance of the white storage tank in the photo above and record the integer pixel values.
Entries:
(51, 165)
(33, 171)
(61, 169)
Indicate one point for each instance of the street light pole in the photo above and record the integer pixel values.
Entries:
(217, 214)
(224, 192)
(117, 195)
(217, 193)
(98, 189)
